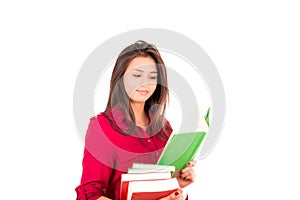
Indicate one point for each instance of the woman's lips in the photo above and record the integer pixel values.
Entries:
(142, 92)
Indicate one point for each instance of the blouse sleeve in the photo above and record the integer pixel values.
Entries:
(96, 171)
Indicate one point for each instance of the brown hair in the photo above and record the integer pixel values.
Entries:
(156, 104)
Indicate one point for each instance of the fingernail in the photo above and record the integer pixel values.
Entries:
(189, 164)
(176, 193)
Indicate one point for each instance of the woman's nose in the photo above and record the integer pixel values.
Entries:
(145, 80)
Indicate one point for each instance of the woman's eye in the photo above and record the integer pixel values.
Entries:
(153, 77)
(137, 75)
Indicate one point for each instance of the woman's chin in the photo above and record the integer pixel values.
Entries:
(139, 99)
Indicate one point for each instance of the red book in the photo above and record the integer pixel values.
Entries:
(151, 189)
(126, 178)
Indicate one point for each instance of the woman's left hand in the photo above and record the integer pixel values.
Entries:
(187, 175)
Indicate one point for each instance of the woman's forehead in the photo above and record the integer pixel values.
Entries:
(143, 64)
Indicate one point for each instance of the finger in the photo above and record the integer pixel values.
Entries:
(191, 163)
(190, 178)
(177, 194)
(185, 170)
(189, 173)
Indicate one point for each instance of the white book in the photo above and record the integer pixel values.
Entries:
(141, 167)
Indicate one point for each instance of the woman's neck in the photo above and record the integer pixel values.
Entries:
(141, 118)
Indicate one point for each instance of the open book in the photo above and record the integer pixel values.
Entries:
(181, 148)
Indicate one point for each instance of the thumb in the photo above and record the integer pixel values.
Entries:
(177, 193)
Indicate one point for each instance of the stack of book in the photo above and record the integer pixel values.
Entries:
(148, 182)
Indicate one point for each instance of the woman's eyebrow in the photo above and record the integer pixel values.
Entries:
(139, 70)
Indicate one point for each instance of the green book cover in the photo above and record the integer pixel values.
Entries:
(181, 148)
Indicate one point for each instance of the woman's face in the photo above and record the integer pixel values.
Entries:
(140, 79)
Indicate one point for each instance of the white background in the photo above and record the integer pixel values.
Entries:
(254, 45)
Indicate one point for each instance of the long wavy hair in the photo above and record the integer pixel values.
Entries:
(156, 104)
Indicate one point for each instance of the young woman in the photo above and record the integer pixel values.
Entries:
(132, 128)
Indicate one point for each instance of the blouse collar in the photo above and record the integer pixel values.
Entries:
(121, 122)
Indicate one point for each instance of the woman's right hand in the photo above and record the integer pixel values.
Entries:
(177, 195)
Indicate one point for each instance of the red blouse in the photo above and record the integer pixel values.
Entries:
(108, 154)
